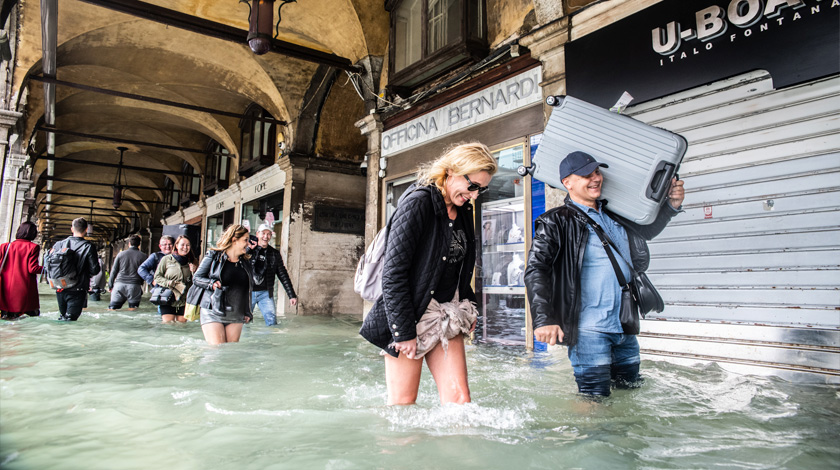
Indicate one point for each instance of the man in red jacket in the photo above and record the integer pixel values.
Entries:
(18, 270)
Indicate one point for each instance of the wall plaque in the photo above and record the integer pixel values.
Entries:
(339, 220)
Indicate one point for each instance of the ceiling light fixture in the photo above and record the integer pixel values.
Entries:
(119, 181)
(260, 20)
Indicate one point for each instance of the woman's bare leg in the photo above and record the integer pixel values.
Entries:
(214, 333)
(167, 318)
(233, 331)
(180, 318)
(402, 376)
(450, 372)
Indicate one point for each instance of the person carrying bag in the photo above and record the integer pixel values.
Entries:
(173, 278)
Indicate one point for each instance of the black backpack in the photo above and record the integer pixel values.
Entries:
(61, 265)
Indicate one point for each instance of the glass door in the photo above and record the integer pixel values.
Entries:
(501, 265)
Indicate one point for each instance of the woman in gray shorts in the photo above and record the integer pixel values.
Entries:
(227, 278)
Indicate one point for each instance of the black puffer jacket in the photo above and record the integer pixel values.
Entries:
(268, 263)
(210, 271)
(552, 277)
(417, 245)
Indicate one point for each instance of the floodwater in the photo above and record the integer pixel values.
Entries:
(118, 390)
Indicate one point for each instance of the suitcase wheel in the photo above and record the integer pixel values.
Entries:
(554, 100)
(526, 170)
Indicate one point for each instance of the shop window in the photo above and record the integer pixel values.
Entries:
(266, 210)
(258, 145)
(217, 168)
(192, 186)
(171, 197)
(216, 225)
(394, 192)
(501, 262)
(430, 37)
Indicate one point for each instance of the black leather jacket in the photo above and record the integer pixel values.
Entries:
(552, 276)
(210, 271)
(417, 245)
(268, 263)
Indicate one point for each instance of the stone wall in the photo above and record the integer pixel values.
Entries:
(322, 263)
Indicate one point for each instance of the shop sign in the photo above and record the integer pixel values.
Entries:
(224, 201)
(339, 220)
(680, 44)
(267, 181)
(510, 95)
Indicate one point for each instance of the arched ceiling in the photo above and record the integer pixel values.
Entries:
(107, 49)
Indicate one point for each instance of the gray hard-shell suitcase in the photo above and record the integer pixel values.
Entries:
(641, 158)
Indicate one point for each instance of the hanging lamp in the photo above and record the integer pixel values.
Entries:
(90, 219)
(118, 182)
(260, 20)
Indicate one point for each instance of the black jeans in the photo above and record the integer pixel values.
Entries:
(70, 304)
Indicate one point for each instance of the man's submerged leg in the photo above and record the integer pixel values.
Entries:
(591, 358)
(626, 359)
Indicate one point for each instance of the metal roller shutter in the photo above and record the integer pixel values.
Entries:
(750, 273)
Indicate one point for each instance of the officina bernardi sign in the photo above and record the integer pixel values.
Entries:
(509, 95)
(680, 44)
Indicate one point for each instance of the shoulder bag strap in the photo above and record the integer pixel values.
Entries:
(606, 242)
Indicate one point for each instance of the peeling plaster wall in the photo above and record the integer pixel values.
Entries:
(337, 135)
(508, 17)
(326, 262)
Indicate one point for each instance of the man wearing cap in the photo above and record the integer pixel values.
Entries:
(268, 263)
(572, 287)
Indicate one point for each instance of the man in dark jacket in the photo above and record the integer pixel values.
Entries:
(124, 282)
(147, 269)
(71, 301)
(268, 263)
(573, 291)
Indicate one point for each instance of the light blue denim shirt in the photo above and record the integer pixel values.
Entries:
(600, 300)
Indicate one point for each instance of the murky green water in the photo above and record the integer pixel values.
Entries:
(121, 391)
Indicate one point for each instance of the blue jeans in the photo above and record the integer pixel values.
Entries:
(601, 358)
(266, 304)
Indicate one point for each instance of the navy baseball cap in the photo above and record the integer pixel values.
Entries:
(579, 163)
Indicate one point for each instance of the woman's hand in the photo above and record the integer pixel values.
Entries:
(293, 301)
(409, 348)
(474, 324)
(216, 285)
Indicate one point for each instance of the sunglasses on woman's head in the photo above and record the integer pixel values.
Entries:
(475, 186)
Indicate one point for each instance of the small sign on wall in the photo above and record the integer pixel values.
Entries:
(707, 212)
(339, 220)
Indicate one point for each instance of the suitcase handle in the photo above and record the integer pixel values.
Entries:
(661, 181)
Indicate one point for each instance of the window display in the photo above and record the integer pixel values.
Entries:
(502, 294)
(500, 288)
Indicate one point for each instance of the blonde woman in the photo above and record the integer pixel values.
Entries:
(227, 278)
(427, 303)
(175, 272)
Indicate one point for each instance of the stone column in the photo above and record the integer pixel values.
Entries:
(11, 204)
(548, 45)
(371, 126)
(289, 241)
(13, 164)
